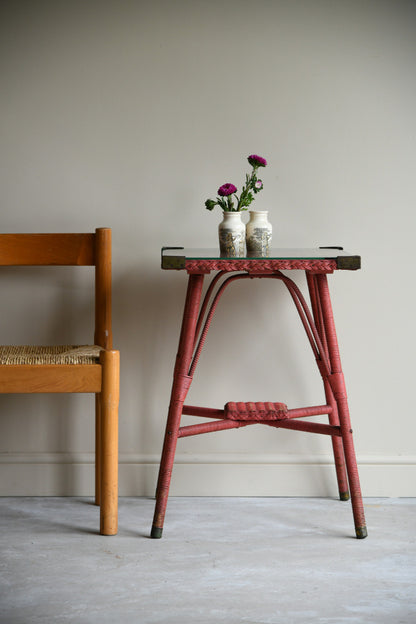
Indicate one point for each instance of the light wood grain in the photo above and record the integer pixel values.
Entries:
(102, 379)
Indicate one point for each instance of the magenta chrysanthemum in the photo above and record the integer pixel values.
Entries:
(227, 189)
(257, 161)
(258, 184)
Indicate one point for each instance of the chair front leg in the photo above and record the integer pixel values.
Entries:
(110, 392)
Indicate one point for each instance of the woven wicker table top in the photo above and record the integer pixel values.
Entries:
(323, 259)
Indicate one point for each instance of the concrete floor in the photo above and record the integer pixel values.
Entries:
(221, 560)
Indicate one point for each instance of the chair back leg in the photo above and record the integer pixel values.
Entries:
(98, 449)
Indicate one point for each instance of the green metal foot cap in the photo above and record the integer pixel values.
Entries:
(361, 532)
(156, 532)
(344, 496)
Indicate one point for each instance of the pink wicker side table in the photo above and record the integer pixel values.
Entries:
(319, 326)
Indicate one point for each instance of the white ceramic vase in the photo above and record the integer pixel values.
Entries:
(231, 233)
(258, 234)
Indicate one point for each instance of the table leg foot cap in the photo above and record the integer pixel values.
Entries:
(361, 532)
(344, 496)
(156, 532)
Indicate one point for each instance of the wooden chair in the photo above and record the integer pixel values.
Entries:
(73, 368)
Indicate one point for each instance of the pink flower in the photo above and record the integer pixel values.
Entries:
(227, 189)
(258, 184)
(257, 161)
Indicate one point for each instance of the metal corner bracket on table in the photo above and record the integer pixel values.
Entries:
(318, 323)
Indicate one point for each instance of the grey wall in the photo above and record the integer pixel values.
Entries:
(129, 115)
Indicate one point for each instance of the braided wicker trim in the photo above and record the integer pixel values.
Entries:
(255, 411)
(260, 266)
(62, 354)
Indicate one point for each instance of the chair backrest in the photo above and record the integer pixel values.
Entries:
(90, 249)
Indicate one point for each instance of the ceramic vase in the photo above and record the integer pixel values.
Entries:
(258, 234)
(231, 233)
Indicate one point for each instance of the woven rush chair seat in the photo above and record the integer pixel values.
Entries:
(59, 354)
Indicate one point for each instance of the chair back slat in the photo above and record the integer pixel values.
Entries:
(47, 249)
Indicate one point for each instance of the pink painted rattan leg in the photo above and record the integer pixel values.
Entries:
(180, 387)
(336, 381)
(337, 447)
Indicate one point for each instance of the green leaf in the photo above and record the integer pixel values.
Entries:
(223, 203)
(210, 204)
